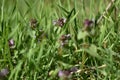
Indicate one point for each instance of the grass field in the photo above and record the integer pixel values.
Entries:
(59, 39)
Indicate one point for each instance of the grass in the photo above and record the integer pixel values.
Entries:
(37, 52)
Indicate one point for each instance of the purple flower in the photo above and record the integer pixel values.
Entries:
(64, 39)
(88, 22)
(60, 73)
(73, 69)
(65, 73)
(60, 22)
(11, 43)
(4, 73)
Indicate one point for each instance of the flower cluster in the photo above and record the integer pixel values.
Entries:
(11, 43)
(88, 23)
(64, 39)
(4, 73)
(67, 73)
(60, 22)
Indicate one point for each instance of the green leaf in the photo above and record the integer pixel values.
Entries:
(63, 9)
(92, 50)
(74, 17)
(81, 35)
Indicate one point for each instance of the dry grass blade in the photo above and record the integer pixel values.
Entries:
(92, 68)
(107, 8)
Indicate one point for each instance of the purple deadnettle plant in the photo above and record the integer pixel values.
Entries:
(4, 73)
(11, 43)
(60, 22)
(74, 69)
(64, 74)
(88, 24)
(64, 39)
